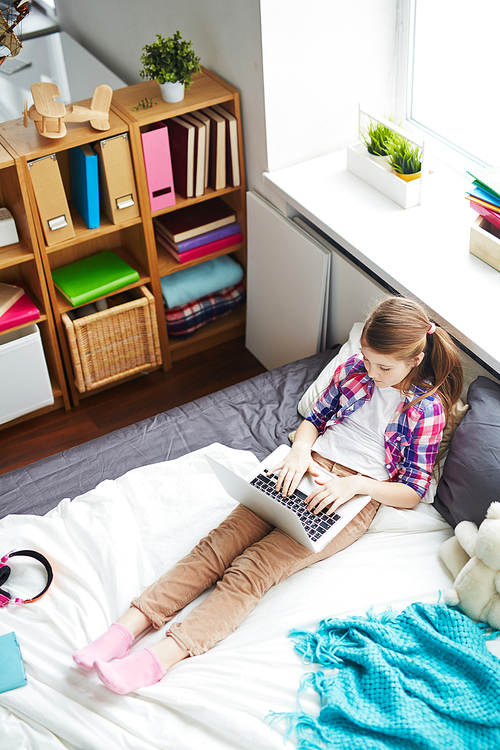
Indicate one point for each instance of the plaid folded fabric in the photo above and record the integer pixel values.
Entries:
(184, 320)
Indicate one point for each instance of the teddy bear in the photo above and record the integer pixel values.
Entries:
(473, 558)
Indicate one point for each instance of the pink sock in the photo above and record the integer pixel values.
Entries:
(135, 671)
(113, 644)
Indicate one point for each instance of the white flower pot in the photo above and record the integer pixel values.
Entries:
(382, 160)
(172, 92)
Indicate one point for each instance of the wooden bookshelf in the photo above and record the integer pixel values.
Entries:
(21, 263)
(134, 240)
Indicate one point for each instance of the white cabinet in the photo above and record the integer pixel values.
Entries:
(287, 282)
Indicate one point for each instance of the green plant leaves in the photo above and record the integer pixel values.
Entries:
(377, 138)
(171, 59)
(404, 157)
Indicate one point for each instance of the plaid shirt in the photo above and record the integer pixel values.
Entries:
(411, 439)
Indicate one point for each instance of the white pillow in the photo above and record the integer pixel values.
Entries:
(352, 346)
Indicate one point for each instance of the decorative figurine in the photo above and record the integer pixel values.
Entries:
(50, 116)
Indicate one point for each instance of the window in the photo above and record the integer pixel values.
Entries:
(450, 53)
(49, 5)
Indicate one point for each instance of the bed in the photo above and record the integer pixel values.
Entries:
(114, 513)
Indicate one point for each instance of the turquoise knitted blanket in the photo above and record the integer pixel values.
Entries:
(421, 679)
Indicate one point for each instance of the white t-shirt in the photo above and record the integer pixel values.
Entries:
(359, 440)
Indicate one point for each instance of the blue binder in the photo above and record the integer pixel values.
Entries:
(84, 178)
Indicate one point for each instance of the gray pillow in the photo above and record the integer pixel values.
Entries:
(471, 476)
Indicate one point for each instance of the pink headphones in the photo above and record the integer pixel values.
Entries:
(5, 571)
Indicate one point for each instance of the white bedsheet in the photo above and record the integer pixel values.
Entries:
(109, 544)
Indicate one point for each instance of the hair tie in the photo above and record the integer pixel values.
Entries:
(432, 328)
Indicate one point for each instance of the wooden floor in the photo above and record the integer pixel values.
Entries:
(125, 404)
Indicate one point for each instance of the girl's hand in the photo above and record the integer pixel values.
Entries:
(292, 469)
(332, 493)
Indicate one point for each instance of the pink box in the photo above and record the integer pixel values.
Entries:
(156, 150)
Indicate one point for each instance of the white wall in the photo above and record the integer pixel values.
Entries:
(320, 59)
(301, 67)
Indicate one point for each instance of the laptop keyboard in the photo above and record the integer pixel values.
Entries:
(314, 525)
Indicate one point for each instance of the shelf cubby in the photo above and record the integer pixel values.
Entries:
(32, 260)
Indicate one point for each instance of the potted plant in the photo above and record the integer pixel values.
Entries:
(172, 62)
(405, 158)
(377, 139)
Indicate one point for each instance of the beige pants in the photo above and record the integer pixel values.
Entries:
(244, 556)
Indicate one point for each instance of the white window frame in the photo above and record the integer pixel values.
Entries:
(439, 147)
(48, 7)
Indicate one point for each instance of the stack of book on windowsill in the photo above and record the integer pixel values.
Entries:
(197, 231)
(484, 195)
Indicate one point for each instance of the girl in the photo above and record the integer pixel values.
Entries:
(376, 428)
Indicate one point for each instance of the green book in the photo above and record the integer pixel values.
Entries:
(12, 674)
(93, 277)
(488, 177)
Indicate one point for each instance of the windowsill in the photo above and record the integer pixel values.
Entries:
(421, 251)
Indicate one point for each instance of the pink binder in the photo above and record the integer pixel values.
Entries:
(156, 150)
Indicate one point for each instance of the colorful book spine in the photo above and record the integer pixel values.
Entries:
(201, 239)
(84, 179)
(487, 178)
(158, 165)
(201, 251)
(480, 193)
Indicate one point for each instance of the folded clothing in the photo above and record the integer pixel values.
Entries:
(184, 320)
(194, 282)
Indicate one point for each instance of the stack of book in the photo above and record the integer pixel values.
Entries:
(16, 308)
(204, 151)
(197, 231)
(484, 196)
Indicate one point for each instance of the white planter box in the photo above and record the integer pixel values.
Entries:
(405, 194)
(23, 374)
(485, 242)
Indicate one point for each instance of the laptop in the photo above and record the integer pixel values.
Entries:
(290, 514)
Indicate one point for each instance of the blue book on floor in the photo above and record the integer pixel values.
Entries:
(84, 178)
(12, 674)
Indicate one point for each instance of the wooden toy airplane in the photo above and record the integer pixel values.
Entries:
(50, 116)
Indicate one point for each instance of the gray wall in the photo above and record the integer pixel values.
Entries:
(225, 34)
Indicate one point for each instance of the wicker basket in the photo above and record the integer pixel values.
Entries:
(115, 343)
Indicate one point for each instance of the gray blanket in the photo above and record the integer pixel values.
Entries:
(254, 415)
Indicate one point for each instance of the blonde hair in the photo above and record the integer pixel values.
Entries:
(400, 328)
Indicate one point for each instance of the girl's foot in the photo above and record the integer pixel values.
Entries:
(131, 673)
(113, 644)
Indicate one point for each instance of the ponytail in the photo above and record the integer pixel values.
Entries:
(441, 365)
(401, 328)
